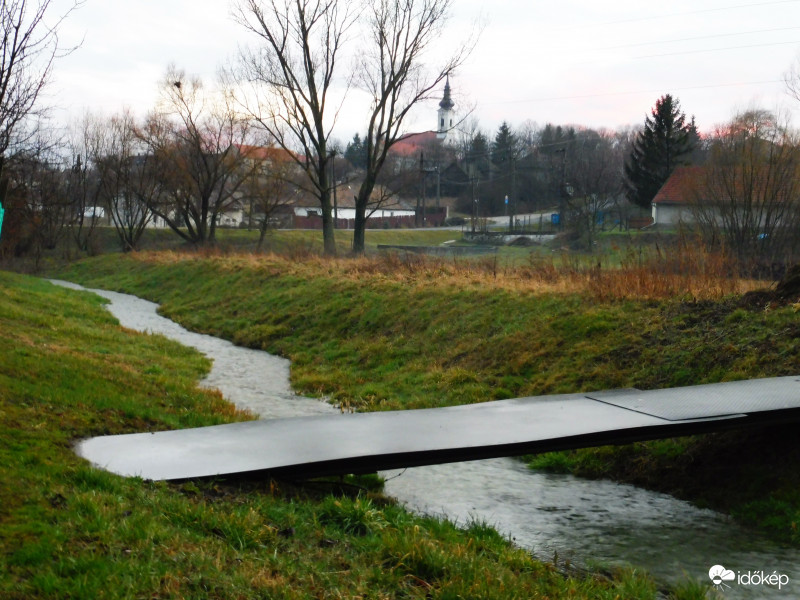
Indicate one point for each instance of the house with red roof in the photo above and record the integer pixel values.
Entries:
(729, 195)
(673, 202)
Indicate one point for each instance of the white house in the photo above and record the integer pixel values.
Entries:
(673, 202)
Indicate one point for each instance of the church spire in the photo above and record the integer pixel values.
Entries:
(447, 101)
(445, 114)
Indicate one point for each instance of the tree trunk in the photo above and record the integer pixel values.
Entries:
(3, 192)
(211, 236)
(262, 233)
(359, 228)
(362, 200)
(328, 236)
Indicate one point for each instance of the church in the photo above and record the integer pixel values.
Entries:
(446, 115)
(429, 149)
(445, 133)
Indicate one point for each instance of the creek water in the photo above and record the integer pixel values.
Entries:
(588, 523)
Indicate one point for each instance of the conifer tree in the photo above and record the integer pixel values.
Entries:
(477, 156)
(356, 153)
(505, 147)
(554, 139)
(666, 142)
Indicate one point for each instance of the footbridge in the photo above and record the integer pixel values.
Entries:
(366, 442)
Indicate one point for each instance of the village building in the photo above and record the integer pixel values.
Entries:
(396, 202)
(672, 204)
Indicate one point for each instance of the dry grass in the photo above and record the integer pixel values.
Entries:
(684, 272)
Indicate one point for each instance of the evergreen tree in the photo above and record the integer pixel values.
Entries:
(555, 138)
(505, 148)
(356, 152)
(477, 157)
(666, 142)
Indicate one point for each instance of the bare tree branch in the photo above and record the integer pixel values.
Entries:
(195, 136)
(29, 45)
(292, 74)
(393, 72)
(746, 195)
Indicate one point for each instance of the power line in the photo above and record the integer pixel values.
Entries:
(697, 12)
(634, 92)
(715, 49)
(697, 38)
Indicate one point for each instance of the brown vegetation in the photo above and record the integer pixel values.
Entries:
(683, 271)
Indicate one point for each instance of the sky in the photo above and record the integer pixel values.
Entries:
(597, 63)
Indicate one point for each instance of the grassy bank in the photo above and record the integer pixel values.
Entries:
(387, 334)
(71, 531)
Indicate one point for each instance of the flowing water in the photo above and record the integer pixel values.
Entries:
(585, 522)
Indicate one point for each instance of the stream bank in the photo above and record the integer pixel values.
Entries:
(587, 522)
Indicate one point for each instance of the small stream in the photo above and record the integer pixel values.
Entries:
(585, 522)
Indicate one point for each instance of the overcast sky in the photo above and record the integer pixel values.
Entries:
(588, 62)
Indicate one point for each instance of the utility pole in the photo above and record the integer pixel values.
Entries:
(421, 222)
(474, 204)
(512, 200)
(562, 192)
(423, 175)
(438, 186)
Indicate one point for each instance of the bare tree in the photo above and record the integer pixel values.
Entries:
(529, 136)
(595, 176)
(466, 132)
(292, 74)
(747, 195)
(392, 71)
(195, 137)
(792, 79)
(127, 176)
(83, 185)
(29, 44)
(36, 197)
(274, 175)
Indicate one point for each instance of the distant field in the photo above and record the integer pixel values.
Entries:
(286, 239)
(612, 248)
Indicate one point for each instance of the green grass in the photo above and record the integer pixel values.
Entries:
(416, 335)
(68, 530)
(426, 340)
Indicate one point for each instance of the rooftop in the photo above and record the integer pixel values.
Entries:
(680, 187)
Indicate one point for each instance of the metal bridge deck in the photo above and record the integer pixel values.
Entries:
(363, 442)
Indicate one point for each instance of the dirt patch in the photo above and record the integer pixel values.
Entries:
(787, 291)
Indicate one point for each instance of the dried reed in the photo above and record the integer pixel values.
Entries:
(685, 270)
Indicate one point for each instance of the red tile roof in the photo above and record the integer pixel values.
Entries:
(681, 187)
(412, 143)
(265, 153)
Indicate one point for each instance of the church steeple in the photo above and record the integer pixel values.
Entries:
(447, 101)
(445, 113)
